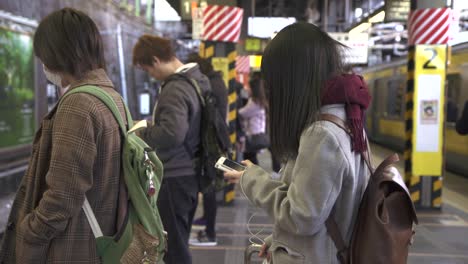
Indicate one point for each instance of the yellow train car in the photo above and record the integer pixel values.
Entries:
(385, 117)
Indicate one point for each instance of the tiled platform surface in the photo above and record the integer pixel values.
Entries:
(441, 236)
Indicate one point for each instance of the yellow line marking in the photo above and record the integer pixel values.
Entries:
(455, 200)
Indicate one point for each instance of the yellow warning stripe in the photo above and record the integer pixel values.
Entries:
(415, 180)
(232, 56)
(202, 50)
(232, 74)
(232, 115)
(209, 52)
(415, 196)
(232, 98)
(407, 154)
(229, 196)
(409, 97)
(437, 185)
(233, 137)
(437, 202)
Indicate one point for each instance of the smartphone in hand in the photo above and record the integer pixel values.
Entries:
(228, 165)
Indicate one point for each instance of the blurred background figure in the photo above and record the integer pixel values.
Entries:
(253, 116)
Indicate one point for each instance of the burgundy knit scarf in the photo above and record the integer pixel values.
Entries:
(350, 90)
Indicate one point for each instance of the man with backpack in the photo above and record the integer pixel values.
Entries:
(207, 237)
(175, 136)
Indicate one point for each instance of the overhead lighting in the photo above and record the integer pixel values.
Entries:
(399, 27)
(360, 28)
(358, 12)
(379, 17)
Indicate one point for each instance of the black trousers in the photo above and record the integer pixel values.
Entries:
(177, 202)
(210, 207)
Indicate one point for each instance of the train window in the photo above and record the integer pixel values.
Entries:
(395, 97)
(453, 95)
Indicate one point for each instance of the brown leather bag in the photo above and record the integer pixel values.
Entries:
(384, 226)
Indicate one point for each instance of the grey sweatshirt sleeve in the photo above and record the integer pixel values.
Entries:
(302, 206)
(171, 118)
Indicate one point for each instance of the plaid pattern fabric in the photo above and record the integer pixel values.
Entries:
(76, 152)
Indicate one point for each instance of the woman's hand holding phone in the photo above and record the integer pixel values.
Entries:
(234, 176)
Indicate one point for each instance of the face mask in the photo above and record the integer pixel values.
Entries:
(53, 77)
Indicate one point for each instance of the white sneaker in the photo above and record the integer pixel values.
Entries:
(202, 240)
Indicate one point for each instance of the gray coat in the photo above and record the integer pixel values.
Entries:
(325, 176)
(176, 124)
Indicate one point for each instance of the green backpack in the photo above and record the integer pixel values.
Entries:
(142, 238)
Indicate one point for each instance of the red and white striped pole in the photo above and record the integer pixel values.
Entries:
(429, 28)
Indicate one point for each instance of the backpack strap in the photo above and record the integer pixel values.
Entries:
(331, 225)
(334, 232)
(194, 84)
(107, 100)
(110, 103)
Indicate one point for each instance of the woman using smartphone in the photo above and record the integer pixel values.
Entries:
(324, 173)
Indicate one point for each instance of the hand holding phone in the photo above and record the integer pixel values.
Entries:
(228, 165)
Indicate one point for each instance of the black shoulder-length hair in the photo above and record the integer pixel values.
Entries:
(295, 66)
(69, 41)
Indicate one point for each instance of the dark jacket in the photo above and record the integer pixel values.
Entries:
(76, 152)
(462, 123)
(220, 92)
(176, 124)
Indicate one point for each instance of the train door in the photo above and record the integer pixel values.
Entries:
(378, 106)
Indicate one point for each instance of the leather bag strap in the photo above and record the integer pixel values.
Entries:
(342, 124)
(331, 225)
(335, 234)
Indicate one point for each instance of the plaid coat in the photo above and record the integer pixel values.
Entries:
(76, 152)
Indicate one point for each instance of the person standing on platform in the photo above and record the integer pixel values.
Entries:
(324, 173)
(220, 92)
(174, 133)
(253, 116)
(76, 152)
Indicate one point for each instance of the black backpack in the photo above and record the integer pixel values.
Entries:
(214, 141)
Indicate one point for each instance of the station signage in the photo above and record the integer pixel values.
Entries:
(397, 10)
(253, 44)
(430, 69)
(187, 6)
(358, 46)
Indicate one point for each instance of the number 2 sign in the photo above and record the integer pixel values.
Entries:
(429, 86)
